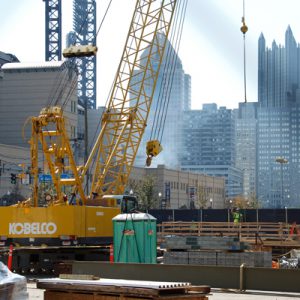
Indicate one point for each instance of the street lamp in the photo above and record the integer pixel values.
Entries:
(159, 199)
(286, 215)
(211, 202)
(281, 161)
(228, 210)
(131, 192)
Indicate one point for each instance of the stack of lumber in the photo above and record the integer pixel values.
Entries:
(113, 289)
(214, 251)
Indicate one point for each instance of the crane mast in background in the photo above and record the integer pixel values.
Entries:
(84, 26)
(53, 47)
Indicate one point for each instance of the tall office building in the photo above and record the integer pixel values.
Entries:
(278, 124)
(279, 72)
(172, 96)
(209, 145)
(245, 129)
(278, 167)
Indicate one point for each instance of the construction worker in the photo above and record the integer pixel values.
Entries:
(237, 215)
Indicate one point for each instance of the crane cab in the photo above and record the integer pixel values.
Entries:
(127, 203)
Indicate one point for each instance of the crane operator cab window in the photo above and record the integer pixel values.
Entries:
(128, 204)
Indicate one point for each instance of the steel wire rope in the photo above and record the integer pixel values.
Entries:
(70, 91)
(166, 87)
(101, 23)
(159, 103)
(59, 84)
(244, 30)
(171, 78)
(171, 68)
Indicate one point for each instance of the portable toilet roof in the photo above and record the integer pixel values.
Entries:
(134, 217)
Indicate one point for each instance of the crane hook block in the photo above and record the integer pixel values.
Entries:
(80, 51)
(153, 148)
(244, 27)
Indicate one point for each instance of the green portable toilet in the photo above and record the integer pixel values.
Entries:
(134, 238)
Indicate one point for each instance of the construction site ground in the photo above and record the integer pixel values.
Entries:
(216, 294)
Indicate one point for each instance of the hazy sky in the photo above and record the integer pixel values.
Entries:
(211, 48)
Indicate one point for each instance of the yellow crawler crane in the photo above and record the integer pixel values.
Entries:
(123, 125)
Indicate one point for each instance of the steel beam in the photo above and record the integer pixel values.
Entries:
(264, 279)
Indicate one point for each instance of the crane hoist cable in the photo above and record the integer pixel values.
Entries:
(244, 29)
(101, 23)
(175, 58)
(153, 146)
(168, 76)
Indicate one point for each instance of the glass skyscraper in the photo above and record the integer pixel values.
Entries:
(209, 145)
(279, 72)
(278, 123)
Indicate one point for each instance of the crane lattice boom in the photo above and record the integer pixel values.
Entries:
(126, 116)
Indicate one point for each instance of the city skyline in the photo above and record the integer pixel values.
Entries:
(211, 46)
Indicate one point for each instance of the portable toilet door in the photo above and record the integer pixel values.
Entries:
(135, 238)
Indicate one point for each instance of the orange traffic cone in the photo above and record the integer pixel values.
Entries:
(9, 261)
